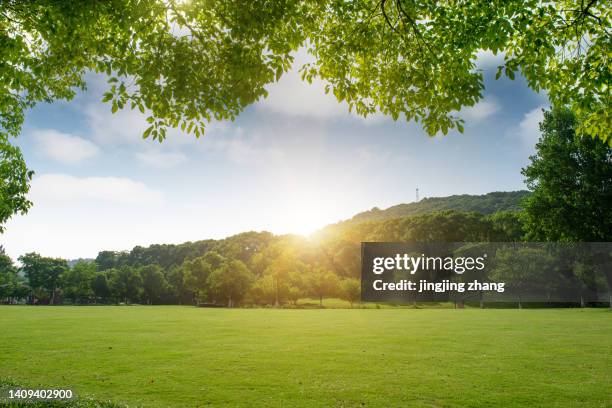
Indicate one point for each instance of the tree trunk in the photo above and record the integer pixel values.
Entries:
(582, 301)
(520, 305)
(481, 301)
(276, 302)
(320, 301)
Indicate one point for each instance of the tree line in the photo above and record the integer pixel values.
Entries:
(570, 178)
(256, 268)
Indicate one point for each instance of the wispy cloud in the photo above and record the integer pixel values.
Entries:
(488, 60)
(62, 147)
(528, 129)
(481, 111)
(246, 151)
(57, 188)
(124, 126)
(292, 96)
(160, 159)
(240, 147)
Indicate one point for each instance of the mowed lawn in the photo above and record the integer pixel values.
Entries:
(164, 356)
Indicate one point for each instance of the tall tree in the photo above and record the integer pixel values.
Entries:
(43, 274)
(231, 281)
(125, 284)
(175, 276)
(11, 286)
(280, 268)
(522, 268)
(100, 287)
(323, 283)
(350, 290)
(571, 182)
(107, 260)
(153, 283)
(263, 291)
(76, 281)
(197, 272)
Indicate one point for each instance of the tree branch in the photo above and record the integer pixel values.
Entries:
(384, 12)
(415, 28)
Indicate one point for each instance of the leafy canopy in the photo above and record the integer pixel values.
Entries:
(571, 180)
(185, 63)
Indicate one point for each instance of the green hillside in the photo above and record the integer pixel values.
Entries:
(484, 204)
(353, 229)
(169, 255)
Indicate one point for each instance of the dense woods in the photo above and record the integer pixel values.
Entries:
(252, 268)
(484, 204)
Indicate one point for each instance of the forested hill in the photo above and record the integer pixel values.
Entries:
(260, 267)
(169, 255)
(484, 204)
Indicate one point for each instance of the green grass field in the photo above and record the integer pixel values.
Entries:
(162, 356)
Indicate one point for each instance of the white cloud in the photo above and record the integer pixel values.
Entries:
(241, 148)
(160, 159)
(292, 96)
(481, 110)
(486, 59)
(63, 188)
(528, 130)
(62, 147)
(242, 151)
(79, 216)
(124, 126)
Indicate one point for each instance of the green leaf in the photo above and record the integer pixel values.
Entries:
(147, 132)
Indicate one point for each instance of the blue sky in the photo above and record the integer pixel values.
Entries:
(291, 163)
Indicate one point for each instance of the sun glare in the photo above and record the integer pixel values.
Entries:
(305, 214)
